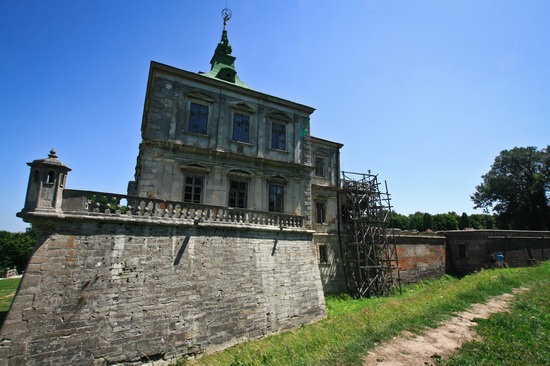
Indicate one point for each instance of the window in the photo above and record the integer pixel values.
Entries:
(323, 254)
(241, 125)
(319, 167)
(276, 198)
(198, 118)
(193, 189)
(278, 136)
(51, 177)
(238, 194)
(320, 212)
(462, 251)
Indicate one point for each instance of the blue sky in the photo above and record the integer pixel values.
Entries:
(423, 93)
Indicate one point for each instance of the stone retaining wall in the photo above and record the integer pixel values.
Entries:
(100, 292)
(468, 251)
(420, 257)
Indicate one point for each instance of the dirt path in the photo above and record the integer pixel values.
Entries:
(409, 349)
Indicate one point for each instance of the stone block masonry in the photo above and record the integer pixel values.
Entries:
(104, 292)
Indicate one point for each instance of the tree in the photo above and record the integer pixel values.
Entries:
(517, 188)
(16, 249)
(416, 221)
(399, 221)
(448, 221)
(464, 221)
(427, 222)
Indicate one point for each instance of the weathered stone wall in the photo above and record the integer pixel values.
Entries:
(99, 292)
(420, 257)
(332, 272)
(468, 251)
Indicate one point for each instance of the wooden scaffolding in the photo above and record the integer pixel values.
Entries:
(370, 254)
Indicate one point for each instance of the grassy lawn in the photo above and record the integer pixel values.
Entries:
(355, 326)
(7, 291)
(520, 337)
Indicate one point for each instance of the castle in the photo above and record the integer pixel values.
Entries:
(233, 228)
(216, 241)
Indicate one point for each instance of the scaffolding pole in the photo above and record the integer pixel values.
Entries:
(370, 252)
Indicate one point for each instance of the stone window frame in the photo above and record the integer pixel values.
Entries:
(202, 100)
(320, 219)
(323, 254)
(274, 183)
(320, 169)
(240, 176)
(193, 186)
(278, 120)
(240, 121)
(242, 109)
(238, 194)
(194, 170)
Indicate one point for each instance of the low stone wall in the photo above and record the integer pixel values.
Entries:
(469, 250)
(420, 257)
(102, 292)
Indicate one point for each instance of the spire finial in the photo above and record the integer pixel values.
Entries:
(226, 15)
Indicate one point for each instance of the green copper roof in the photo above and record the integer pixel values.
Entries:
(223, 64)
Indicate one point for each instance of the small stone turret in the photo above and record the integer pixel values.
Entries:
(46, 183)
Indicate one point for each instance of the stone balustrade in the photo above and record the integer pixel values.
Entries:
(108, 204)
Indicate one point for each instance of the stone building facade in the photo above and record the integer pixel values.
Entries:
(216, 241)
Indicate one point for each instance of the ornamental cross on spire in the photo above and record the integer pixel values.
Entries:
(226, 15)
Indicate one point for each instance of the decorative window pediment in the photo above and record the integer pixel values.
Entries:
(277, 179)
(243, 107)
(280, 116)
(200, 97)
(239, 174)
(195, 168)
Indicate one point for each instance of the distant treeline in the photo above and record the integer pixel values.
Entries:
(16, 250)
(423, 221)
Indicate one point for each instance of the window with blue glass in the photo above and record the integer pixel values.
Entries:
(241, 127)
(278, 136)
(198, 118)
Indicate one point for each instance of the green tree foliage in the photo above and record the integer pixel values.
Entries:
(416, 221)
(16, 249)
(400, 221)
(483, 221)
(421, 221)
(464, 221)
(448, 221)
(517, 188)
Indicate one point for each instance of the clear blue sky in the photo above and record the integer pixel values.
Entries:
(425, 93)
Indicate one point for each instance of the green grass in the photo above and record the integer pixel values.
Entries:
(520, 337)
(355, 326)
(8, 287)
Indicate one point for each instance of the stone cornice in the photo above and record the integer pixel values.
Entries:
(224, 155)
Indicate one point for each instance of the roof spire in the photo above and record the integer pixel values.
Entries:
(223, 64)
